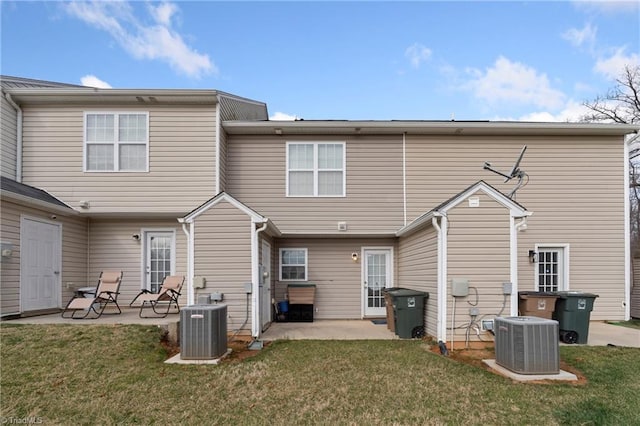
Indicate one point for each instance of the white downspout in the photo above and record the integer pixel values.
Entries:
(218, 150)
(188, 231)
(255, 279)
(18, 137)
(404, 177)
(513, 260)
(442, 275)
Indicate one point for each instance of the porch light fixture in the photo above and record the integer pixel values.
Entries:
(136, 237)
(533, 256)
(354, 256)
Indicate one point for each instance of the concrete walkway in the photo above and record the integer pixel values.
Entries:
(600, 333)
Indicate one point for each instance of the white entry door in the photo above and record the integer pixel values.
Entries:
(159, 258)
(377, 271)
(40, 263)
(265, 286)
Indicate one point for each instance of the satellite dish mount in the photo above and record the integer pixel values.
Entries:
(514, 173)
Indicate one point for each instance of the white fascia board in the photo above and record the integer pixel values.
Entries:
(415, 225)
(515, 209)
(255, 217)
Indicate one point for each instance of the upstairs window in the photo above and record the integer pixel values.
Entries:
(315, 169)
(116, 142)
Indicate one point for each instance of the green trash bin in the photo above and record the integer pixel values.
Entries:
(408, 310)
(573, 310)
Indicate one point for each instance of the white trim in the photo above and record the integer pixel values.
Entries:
(627, 231)
(316, 169)
(116, 142)
(145, 249)
(513, 267)
(256, 323)
(218, 199)
(363, 272)
(515, 210)
(306, 263)
(404, 178)
(217, 142)
(565, 266)
(191, 294)
(24, 218)
(444, 226)
(186, 228)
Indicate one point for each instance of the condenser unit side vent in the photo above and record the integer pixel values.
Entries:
(527, 345)
(203, 331)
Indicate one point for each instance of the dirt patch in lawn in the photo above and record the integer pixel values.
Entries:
(475, 354)
(239, 349)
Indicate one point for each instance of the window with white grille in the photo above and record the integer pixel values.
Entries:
(315, 169)
(116, 142)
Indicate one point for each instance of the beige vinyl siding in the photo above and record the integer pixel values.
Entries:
(181, 160)
(112, 247)
(222, 245)
(418, 270)
(337, 277)
(8, 132)
(74, 253)
(575, 191)
(478, 250)
(256, 175)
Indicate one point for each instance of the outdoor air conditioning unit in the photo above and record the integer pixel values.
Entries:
(203, 331)
(527, 345)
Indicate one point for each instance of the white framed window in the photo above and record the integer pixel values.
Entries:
(116, 141)
(316, 169)
(293, 264)
(552, 268)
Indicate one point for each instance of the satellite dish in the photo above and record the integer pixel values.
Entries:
(515, 172)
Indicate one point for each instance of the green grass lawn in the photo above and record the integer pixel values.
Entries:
(81, 374)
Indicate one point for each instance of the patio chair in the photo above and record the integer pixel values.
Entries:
(106, 293)
(167, 296)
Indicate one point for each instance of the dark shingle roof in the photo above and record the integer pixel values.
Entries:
(30, 192)
(10, 82)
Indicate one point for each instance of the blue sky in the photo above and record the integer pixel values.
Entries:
(534, 61)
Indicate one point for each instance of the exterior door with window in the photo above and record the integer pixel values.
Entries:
(378, 275)
(160, 258)
(551, 269)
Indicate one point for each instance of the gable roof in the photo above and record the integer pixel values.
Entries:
(516, 209)
(32, 195)
(224, 197)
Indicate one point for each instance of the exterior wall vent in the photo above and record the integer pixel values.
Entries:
(342, 226)
(527, 345)
(203, 331)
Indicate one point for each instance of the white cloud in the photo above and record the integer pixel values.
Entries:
(579, 38)
(514, 83)
(281, 116)
(613, 66)
(573, 111)
(417, 54)
(93, 81)
(155, 42)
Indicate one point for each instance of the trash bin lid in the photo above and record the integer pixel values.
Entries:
(568, 294)
(402, 292)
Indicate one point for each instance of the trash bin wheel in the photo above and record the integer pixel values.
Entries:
(417, 332)
(569, 337)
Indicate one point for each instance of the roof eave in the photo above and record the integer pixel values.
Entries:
(458, 128)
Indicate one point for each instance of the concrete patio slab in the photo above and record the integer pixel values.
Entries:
(604, 334)
(128, 316)
(563, 375)
(328, 330)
